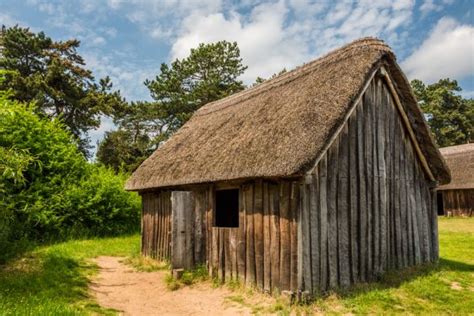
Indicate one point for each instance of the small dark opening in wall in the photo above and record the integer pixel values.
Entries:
(227, 208)
(439, 197)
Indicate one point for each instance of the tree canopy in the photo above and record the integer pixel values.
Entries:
(209, 73)
(449, 115)
(52, 75)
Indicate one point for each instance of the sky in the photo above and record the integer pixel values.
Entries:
(128, 40)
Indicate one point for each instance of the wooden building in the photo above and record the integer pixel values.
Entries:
(457, 197)
(320, 178)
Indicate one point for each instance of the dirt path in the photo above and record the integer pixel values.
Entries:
(120, 287)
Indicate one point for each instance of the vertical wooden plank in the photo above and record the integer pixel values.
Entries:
(376, 179)
(294, 211)
(227, 254)
(267, 265)
(342, 209)
(233, 233)
(324, 224)
(314, 233)
(361, 186)
(425, 218)
(414, 206)
(209, 221)
(434, 227)
(241, 245)
(398, 191)
(368, 102)
(381, 136)
(332, 214)
(353, 199)
(156, 225)
(168, 230)
(258, 232)
(403, 197)
(159, 215)
(409, 206)
(250, 247)
(285, 251)
(198, 233)
(302, 254)
(221, 254)
(275, 235)
(214, 236)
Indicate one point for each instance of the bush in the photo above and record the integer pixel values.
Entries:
(48, 189)
(99, 205)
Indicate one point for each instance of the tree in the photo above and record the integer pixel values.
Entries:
(449, 115)
(52, 75)
(123, 150)
(209, 73)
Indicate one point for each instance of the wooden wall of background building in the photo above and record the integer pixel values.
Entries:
(458, 202)
(368, 207)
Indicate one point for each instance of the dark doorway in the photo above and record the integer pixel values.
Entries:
(439, 198)
(226, 213)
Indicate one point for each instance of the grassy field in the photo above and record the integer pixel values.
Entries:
(54, 279)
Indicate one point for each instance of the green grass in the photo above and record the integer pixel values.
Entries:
(54, 279)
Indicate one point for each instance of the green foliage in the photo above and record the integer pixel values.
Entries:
(98, 204)
(52, 74)
(209, 73)
(123, 150)
(450, 116)
(48, 190)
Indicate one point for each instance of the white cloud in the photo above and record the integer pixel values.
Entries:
(447, 52)
(266, 44)
(287, 33)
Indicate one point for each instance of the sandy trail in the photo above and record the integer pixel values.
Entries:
(132, 292)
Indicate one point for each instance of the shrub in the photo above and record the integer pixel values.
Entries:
(48, 189)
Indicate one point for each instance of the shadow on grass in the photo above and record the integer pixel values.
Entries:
(47, 283)
(396, 278)
(452, 265)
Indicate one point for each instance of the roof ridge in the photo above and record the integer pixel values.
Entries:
(292, 74)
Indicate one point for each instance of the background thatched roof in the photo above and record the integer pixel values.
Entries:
(278, 128)
(460, 160)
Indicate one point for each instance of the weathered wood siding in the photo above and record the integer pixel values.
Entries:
(368, 206)
(458, 202)
(156, 224)
(262, 251)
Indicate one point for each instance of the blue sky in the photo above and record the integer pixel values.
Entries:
(128, 40)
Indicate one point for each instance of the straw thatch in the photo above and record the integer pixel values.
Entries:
(460, 160)
(278, 128)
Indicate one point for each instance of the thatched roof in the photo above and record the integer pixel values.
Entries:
(278, 128)
(460, 160)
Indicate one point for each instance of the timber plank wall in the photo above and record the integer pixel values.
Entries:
(368, 207)
(262, 251)
(458, 202)
(156, 224)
